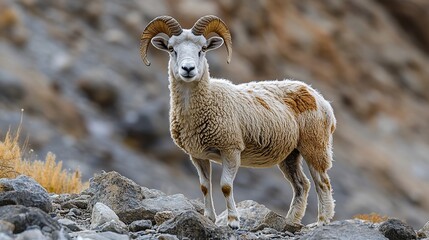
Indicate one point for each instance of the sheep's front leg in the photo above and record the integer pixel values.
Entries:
(205, 174)
(230, 163)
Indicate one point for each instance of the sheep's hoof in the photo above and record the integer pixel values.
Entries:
(234, 223)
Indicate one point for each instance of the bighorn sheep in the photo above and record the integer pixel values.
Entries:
(258, 124)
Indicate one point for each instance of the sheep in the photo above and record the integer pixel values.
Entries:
(256, 125)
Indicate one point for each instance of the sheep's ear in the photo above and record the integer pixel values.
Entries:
(160, 42)
(213, 43)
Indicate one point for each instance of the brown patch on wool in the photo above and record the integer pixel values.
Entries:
(250, 91)
(204, 190)
(300, 101)
(232, 218)
(226, 189)
(263, 103)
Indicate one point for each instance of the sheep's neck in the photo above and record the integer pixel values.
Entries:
(186, 95)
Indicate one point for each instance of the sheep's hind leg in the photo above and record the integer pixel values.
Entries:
(292, 171)
(205, 174)
(230, 163)
(319, 165)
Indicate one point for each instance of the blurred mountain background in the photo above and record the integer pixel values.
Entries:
(74, 67)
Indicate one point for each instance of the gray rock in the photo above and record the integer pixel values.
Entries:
(149, 207)
(113, 226)
(395, 229)
(92, 235)
(6, 227)
(31, 234)
(24, 191)
(251, 215)
(102, 214)
(72, 225)
(193, 225)
(161, 217)
(424, 232)
(119, 193)
(140, 225)
(167, 237)
(198, 205)
(99, 88)
(11, 89)
(344, 230)
(274, 220)
(4, 236)
(23, 217)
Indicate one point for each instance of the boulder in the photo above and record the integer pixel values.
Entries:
(149, 207)
(71, 225)
(113, 226)
(395, 229)
(102, 214)
(140, 225)
(24, 217)
(251, 215)
(161, 217)
(191, 224)
(24, 191)
(132, 202)
(32, 234)
(345, 230)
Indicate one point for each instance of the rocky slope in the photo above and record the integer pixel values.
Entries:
(74, 67)
(116, 208)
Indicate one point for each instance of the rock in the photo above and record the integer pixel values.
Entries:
(118, 192)
(24, 191)
(274, 220)
(140, 225)
(92, 235)
(31, 234)
(149, 207)
(193, 225)
(98, 87)
(167, 237)
(198, 205)
(251, 214)
(344, 230)
(11, 89)
(163, 216)
(113, 226)
(395, 229)
(132, 202)
(23, 217)
(5, 236)
(6, 227)
(424, 232)
(102, 214)
(72, 225)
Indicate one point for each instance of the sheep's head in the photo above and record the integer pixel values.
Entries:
(187, 47)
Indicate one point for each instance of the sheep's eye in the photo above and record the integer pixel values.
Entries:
(170, 49)
(204, 49)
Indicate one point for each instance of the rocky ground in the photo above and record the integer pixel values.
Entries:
(74, 67)
(115, 208)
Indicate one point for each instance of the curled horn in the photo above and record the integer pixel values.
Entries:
(208, 24)
(162, 24)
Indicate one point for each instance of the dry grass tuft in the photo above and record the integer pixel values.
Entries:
(48, 173)
(372, 217)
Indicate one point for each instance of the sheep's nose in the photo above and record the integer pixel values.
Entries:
(188, 68)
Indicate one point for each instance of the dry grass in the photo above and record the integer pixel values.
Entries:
(48, 173)
(372, 217)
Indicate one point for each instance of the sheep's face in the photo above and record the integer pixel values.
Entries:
(187, 53)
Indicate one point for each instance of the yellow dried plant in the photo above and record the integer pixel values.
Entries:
(48, 173)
